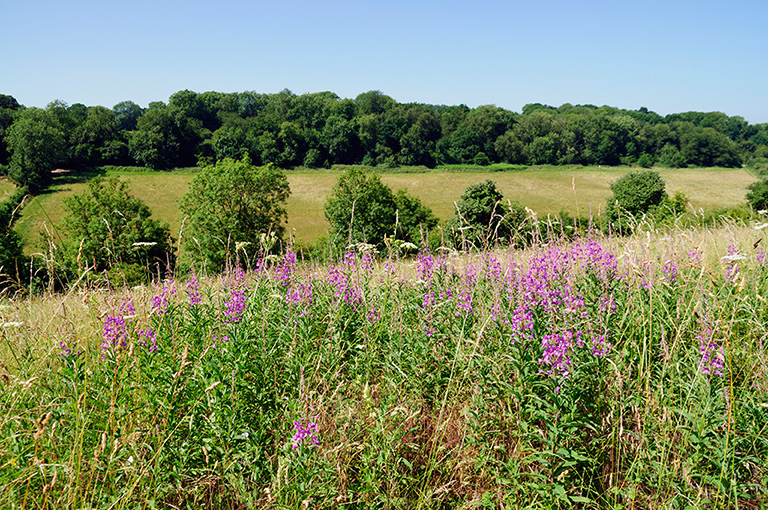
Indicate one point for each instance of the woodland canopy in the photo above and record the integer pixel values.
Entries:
(321, 129)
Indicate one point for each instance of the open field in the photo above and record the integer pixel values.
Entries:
(604, 373)
(546, 190)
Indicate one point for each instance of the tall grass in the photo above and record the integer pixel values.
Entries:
(598, 373)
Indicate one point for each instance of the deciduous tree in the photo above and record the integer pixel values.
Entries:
(37, 144)
(233, 202)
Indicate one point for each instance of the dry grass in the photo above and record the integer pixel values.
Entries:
(546, 190)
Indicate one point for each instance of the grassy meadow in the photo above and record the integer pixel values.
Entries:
(601, 373)
(546, 190)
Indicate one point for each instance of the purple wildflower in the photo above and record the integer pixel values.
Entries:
(694, 258)
(161, 301)
(234, 306)
(235, 303)
(222, 338)
(670, 270)
(305, 429)
(367, 262)
(346, 290)
(464, 303)
(286, 268)
(193, 289)
(712, 354)
(65, 351)
(114, 335)
(556, 355)
(148, 339)
(425, 266)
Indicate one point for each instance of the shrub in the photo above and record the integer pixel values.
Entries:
(634, 194)
(482, 219)
(645, 160)
(107, 226)
(481, 159)
(10, 241)
(233, 202)
(757, 196)
(363, 209)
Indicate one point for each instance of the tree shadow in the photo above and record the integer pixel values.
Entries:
(63, 178)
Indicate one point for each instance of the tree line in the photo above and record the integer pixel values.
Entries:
(321, 129)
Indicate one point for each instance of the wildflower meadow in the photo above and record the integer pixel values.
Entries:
(592, 373)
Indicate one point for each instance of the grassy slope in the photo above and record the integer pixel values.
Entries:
(546, 190)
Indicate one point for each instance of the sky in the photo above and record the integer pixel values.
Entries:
(668, 56)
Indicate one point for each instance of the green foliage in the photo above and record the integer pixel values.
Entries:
(757, 196)
(634, 194)
(758, 166)
(637, 192)
(37, 144)
(156, 142)
(473, 382)
(9, 109)
(233, 202)
(107, 227)
(645, 160)
(414, 220)
(707, 147)
(359, 209)
(483, 220)
(481, 159)
(362, 209)
(127, 115)
(96, 140)
(11, 248)
(322, 129)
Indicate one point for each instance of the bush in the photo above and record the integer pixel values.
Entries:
(107, 226)
(481, 159)
(634, 195)
(759, 166)
(482, 219)
(757, 196)
(232, 203)
(645, 160)
(11, 250)
(362, 209)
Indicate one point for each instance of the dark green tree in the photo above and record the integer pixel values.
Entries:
(340, 140)
(37, 144)
(9, 109)
(156, 142)
(233, 202)
(373, 102)
(707, 147)
(94, 139)
(127, 114)
(229, 141)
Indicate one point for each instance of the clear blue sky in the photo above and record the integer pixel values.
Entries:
(669, 56)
